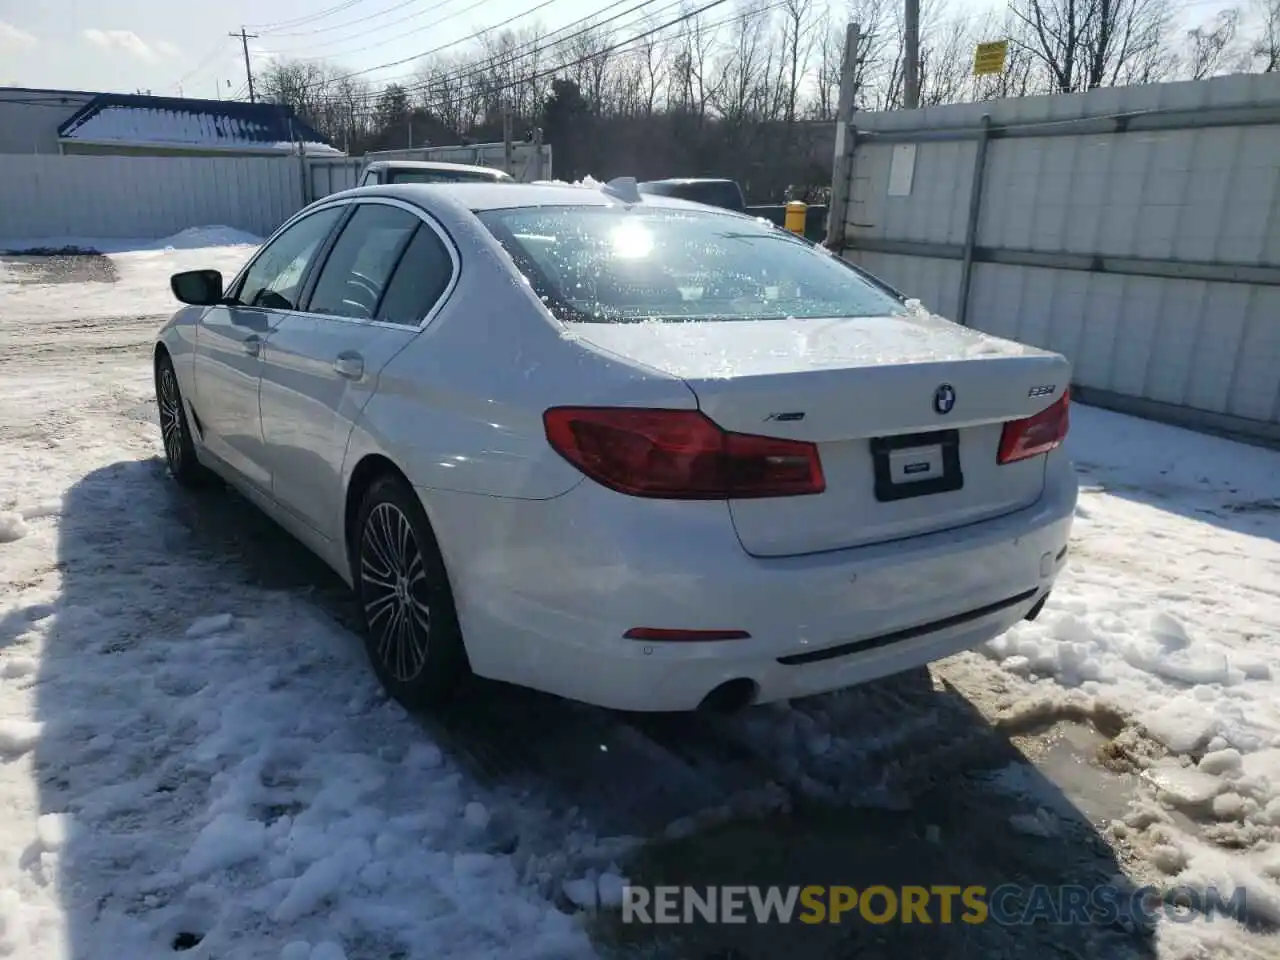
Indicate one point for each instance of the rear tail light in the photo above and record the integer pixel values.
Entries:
(1033, 436)
(680, 455)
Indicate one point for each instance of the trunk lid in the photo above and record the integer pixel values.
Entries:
(907, 413)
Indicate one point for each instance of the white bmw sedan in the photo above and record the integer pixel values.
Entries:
(633, 451)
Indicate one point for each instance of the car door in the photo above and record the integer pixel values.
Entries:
(386, 269)
(228, 355)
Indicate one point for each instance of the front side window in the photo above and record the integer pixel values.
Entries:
(614, 265)
(353, 278)
(275, 278)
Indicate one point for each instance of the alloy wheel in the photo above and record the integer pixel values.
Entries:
(171, 425)
(394, 591)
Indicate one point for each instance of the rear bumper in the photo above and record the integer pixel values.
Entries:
(546, 590)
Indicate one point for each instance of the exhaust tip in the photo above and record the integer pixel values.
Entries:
(1039, 605)
(730, 697)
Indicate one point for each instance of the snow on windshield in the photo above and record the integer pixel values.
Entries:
(610, 265)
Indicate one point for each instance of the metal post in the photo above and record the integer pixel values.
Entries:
(846, 142)
(975, 213)
(537, 153)
(911, 55)
(507, 147)
(304, 187)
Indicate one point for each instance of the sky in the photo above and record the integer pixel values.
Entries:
(161, 46)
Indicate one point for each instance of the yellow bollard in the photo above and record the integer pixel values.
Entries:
(794, 217)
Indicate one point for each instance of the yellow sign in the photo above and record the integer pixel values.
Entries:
(990, 57)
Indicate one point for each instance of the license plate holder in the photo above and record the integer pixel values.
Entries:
(916, 464)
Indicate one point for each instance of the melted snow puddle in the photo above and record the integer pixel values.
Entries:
(1065, 757)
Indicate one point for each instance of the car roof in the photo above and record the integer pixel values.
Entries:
(436, 165)
(494, 196)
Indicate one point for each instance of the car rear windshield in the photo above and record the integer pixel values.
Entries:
(614, 265)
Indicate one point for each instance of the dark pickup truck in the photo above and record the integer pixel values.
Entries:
(715, 193)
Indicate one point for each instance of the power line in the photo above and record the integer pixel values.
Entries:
(406, 33)
(536, 47)
(353, 23)
(308, 18)
(218, 48)
(478, 34)
(640, 36)
(436, 82)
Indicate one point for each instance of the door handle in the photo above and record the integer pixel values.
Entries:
(349, 365)
(252, 345)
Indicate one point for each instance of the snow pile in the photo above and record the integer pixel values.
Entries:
(141, 284)
(195, 238)
(588, 181)
(192, 238)
(12, 526)
(1167, 618)
(224, 779)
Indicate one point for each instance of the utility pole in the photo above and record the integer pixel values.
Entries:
(911, 68)
(244, 39)
(846, 142)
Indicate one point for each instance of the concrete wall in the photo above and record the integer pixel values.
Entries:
(29, 119)
(45, 197)
(1136, 230)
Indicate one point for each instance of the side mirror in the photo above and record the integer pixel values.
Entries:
(200, 288)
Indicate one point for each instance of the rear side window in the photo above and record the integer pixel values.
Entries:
(608, 264)
(420, 280)
(367, 251)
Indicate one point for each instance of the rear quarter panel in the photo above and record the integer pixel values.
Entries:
(460, 409)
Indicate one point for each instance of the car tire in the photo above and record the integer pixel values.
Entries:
(175, 431)
(406, 605)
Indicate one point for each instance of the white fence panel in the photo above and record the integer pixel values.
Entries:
(1135, 230)
(334, 176)
(43, 196)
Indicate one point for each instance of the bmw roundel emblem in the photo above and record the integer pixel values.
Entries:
(944, 398)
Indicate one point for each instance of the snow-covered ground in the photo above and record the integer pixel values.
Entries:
(192, 755)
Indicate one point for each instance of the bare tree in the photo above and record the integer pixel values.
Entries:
(1266, 47)
(1211, 47)
(946, 55)
(742, 62)
(651, 55)
(798, 38)
(1083, 44)
(693, 71)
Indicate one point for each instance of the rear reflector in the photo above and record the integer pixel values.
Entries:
(680, 455)
(661, 635)
(1033, 436)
